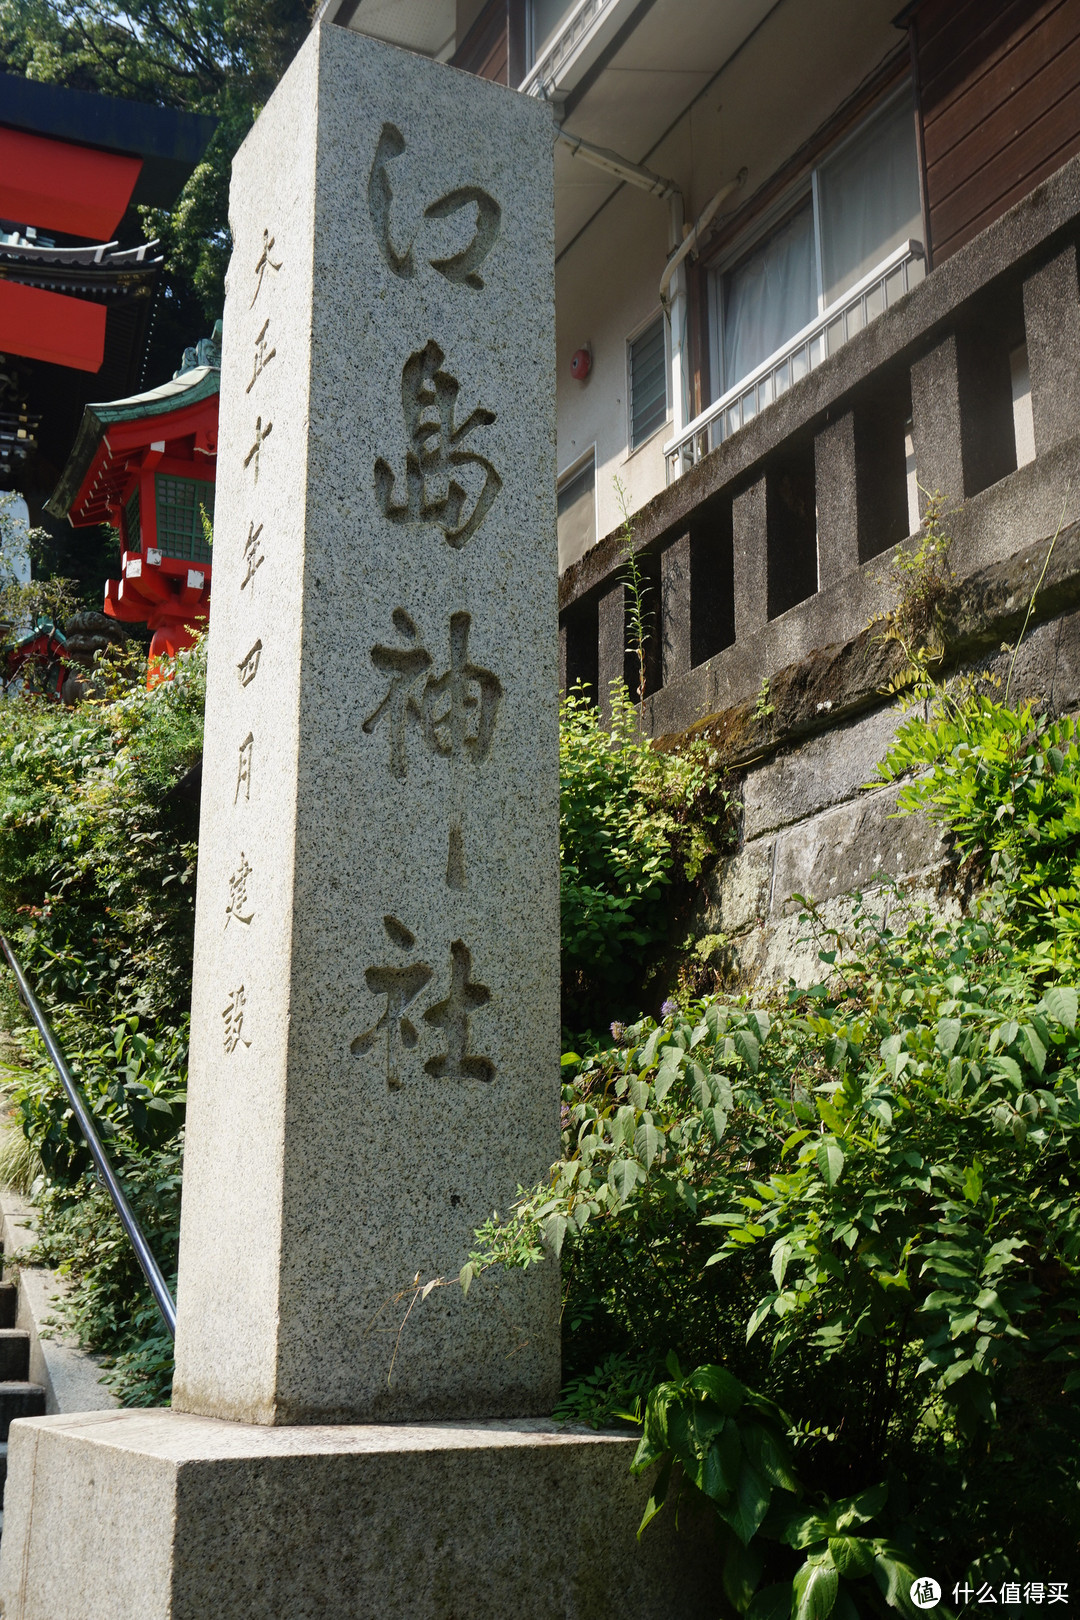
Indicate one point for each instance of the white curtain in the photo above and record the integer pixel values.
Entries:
(869, 198)
(769, 296)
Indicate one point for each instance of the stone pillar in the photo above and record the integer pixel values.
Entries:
(1052, 325)
(750, 539)
(836, 482)
(675, 609)
(935, 423)
(611, 653)
(375, 1017)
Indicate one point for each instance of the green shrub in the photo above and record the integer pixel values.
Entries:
(635, 825)
(97, 866)
(862, 1203)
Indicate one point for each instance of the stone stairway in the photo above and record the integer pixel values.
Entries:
(18, 1397)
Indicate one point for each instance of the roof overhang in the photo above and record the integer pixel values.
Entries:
(167, 142)
(111, 434)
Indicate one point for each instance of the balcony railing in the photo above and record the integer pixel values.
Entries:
(896, 275)
(574, 29)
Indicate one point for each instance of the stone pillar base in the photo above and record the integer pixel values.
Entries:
(160, 1515)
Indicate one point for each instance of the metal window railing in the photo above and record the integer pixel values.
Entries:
(826, 333)
(143, 1252)
(545, 70)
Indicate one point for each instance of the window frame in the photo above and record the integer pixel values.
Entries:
(530, 31)
(632, 337)
(784, 207)
(567, 476)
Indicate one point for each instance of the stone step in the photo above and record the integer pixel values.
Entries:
(14, 1355)
(19, 1400)
(9, 1302)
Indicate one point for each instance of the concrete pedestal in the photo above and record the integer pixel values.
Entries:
(162, 1515)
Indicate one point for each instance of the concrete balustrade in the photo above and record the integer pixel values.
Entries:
(777, 542)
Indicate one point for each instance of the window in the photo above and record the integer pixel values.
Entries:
(770, 296)
(577, 511)
(132, 536)
(858, 206)
(868, 198)
(647, 382)
(179, 518)
(546, 17)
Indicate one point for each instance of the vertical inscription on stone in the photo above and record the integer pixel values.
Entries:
(375, 1060)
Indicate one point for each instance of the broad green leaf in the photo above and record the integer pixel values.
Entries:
(761, 1311)
(656, 1498)
(830, 1162)
(836, 1049)
(814, 1590)
(716, 1018)
(742, 1571)
(773, 1603)
(830, 1116)
(1035, 1048)
(554, 1232)
(767, 1456)
(746, 1044)
(662, 1085)
(855, 1510)
(1061, 1004)
(750, 1505)
(948, 1033)
(648, 1056)
(804, 1530)
(781, 1254)
(720, 1386)
(1006, 1066)
(761, 1022)
(466, 1275)
(720, 1089)
(973, 1182)
(894, 1578)
(623, 1126)
(646, 1141)
(623, 1177)
(639, 1093)
(852, 1555)
(715, 1121)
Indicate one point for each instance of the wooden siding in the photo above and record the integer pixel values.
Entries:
(485, 50)
(999, 96)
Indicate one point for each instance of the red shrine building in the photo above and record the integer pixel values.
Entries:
(79, 285)
(146, 465)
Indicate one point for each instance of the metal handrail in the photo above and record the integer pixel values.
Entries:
(143, 1252)
(793, 360)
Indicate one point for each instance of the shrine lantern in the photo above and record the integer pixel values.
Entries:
(146, 465)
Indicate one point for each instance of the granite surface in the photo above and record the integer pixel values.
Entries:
(375, 1029)
(158, 1515)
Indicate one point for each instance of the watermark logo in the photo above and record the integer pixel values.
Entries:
(925, 1592)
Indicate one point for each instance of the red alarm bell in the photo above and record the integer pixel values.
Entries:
(581, 364)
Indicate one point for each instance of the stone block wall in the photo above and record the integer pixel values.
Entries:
(810, 824)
